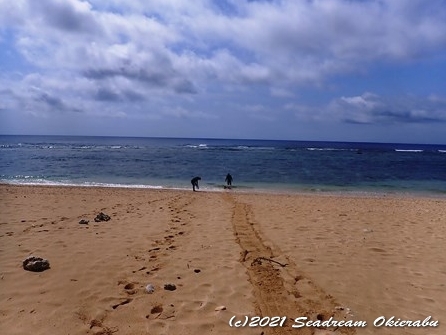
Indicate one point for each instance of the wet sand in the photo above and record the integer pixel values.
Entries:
(228, 254)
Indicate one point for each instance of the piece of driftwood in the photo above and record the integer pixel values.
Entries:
(259, 260)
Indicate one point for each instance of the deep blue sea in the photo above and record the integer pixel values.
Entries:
(256, 165)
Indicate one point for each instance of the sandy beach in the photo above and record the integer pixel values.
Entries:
(215, 258)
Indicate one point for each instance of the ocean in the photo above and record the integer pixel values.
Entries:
(256, 165)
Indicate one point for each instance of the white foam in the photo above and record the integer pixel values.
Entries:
(330, 149)
(409, 150)
(45, 182)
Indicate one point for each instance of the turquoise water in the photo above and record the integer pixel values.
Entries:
(254, 164)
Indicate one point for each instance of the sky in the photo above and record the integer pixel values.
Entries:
(329, 70)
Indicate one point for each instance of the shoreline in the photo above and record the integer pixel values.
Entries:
(249, 190)
(227, 254)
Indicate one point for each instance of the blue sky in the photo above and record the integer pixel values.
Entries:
(340, 70)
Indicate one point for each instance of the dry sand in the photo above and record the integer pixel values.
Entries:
(256, 254)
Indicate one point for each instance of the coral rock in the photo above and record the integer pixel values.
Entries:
(170, 287)
(35, 264)
(101, 217)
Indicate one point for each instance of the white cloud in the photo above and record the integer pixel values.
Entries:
(287, 40)
(370, 108)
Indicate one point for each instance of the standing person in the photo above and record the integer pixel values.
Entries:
(194, 182)
(228, 179)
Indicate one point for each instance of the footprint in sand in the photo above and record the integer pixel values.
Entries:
(140, 269)
(152, 270)
(378, 250)
(161, 312)
(125, 302)
(130, 288)
(157, 309)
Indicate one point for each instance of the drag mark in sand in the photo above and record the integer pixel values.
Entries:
(280, 289)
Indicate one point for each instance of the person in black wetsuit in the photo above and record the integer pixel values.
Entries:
(194, 182)
(228, 179)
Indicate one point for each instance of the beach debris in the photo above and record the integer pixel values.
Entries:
(220, 308)
(150, 288)
(35, 264)
(170, 287)
(83, 221)
(259, 260)
(101, 217)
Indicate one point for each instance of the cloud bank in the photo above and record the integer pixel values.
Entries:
(149, 57)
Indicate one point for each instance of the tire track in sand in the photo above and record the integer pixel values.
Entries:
(281, 290)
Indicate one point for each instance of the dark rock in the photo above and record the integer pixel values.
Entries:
(83, 221)
(101, 217)
(35, 264)
(170, 287)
